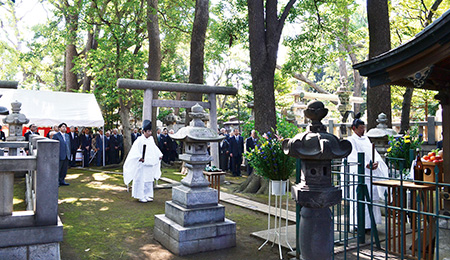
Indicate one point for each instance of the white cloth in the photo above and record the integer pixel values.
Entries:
(363, 144)
(145, 172)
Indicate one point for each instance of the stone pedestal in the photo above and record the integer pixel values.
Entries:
(194, 222)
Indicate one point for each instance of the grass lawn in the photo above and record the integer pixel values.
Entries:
(102, 221)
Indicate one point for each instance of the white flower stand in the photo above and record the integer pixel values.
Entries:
(277, 189)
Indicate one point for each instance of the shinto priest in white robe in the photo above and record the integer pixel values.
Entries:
(142, 173)
(363, 144)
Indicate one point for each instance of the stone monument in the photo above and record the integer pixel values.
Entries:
(194, 221)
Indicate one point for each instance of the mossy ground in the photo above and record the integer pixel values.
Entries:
(102, 221)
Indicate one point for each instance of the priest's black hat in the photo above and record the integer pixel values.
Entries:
(357, 121)
(147, 125)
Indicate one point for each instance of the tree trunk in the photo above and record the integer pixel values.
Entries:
(406, 109)
(87, 79)
(154, 52)
(254, 184)
(378, 98)
(71, 53)
(265, 29)
(124, 113)
(197, 60)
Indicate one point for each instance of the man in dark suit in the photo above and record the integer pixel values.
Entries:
(99, 147)
(32, 130)
(121, 146)
(86, 143)
(108, 150)
(166, 143)
(114, 147)
(249, 146)
(74, 145)
(224, 154)
(64, 152)
(135, 135)
(236, 151)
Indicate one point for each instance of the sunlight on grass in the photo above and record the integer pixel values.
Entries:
(100, 176)
(97, 200)
(17, 201)
(104, 208)
(73, 176)
(101, 186)
(73, 200)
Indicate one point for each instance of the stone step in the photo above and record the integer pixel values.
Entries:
(189, 240)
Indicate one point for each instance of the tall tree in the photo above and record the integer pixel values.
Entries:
(379, 98)
(154, 50)
(265, 27)
(197, 57)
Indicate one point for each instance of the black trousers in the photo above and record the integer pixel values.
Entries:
(63, 165)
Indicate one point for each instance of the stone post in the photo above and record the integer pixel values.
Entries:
(6, 193)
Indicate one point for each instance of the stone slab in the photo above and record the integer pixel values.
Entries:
(189, 240)
(192, 198)
(31, 235)
(32, 252)
(189, 217)
(44, 251)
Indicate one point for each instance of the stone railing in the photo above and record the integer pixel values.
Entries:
(39, 224)
(430, 129)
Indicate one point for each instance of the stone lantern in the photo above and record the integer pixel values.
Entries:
(15, 121)
(379, 135)
(194, 221)
(316, 193)
(344, 107)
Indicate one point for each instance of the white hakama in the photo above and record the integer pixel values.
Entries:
(363, 144)
(143, 174)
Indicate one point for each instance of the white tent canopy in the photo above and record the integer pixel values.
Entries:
(47, 108)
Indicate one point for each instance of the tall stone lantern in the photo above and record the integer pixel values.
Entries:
(379, 135)
(194, 221)
(316, 193)
(15, 121)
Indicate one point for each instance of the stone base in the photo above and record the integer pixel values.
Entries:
(31, 252)
(190, 217)
(444, 223)
(189, 240)
(194, 198)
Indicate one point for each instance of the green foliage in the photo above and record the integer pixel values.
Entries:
(269, 160)
(399, 147)
(163, 113)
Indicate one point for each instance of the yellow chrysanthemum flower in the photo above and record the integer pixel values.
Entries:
(389, 149)
(407, 141)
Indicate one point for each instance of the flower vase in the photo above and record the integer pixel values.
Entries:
(278, 187)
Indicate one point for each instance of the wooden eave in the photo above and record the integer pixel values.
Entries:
(423, 62)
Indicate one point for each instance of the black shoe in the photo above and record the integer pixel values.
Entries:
(64, 183)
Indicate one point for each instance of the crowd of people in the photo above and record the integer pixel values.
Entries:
(231, 150)
(91, 145)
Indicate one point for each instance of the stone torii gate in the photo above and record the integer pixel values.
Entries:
(149, 102)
